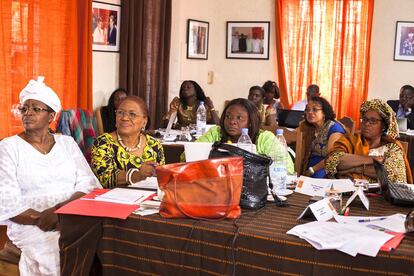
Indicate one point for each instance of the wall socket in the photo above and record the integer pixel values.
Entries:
(210, 77)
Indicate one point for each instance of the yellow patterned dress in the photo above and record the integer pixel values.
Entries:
(109, 158)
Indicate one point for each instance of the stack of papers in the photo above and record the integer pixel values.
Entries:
(350, 239)
(125, 196)
(150, 183)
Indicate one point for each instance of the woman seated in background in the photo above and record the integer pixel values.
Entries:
(191, 94)
(127, 155)
(39, 172)
(266, 112)
(272, 95)
(321, 131)
(238, 114)
(108, 112)
(353, 156)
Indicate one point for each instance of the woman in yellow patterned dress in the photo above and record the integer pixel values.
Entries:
(127, 155)
(353, 156)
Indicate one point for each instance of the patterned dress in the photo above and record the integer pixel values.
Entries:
(109, 158)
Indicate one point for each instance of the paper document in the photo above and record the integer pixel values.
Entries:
(318, 187)
(350, 239)
(322, 210)
(394, 223)
(147, 183)
(125, 196)
(360, 193)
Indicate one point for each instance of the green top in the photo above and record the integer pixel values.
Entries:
(265, 143)
(109, 158)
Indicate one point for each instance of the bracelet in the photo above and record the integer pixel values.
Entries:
(311, 170)
(213, 109)
(129, 174)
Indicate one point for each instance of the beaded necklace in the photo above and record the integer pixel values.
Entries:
(128, 149)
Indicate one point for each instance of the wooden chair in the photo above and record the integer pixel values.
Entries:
(349, 123)
(405, 147)
(9, 255)
(99, 123)
(300, 151)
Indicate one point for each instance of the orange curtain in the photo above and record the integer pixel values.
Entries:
(325, 42)
(48, 38)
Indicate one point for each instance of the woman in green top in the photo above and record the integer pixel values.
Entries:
(238, 114)
(127, 155)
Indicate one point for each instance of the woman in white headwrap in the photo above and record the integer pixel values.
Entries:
(39, 172)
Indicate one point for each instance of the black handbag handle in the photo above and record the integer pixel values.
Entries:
(241, 152)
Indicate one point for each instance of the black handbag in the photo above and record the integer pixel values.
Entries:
(255, 174)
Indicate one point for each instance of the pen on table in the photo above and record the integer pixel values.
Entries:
(369, 220)
(347, 211)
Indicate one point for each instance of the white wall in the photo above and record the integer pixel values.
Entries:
(232, 77)
(387, 75)
(105, 72)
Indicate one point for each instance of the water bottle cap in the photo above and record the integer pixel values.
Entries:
(279, 131)
(201, 102)
(245, 131)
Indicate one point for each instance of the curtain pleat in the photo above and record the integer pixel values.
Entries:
(48, 38)
(325, 42)
(145, 51)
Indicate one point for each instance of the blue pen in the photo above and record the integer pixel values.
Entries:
(369, 220)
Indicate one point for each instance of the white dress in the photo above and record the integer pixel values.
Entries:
(30, 179)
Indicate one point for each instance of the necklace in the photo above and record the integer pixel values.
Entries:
(39, 148)
(128, 149)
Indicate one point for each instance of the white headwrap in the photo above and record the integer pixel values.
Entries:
(38, 90)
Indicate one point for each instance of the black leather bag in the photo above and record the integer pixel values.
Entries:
(255, 174)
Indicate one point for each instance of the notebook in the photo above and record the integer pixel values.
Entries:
(290, 118)
(396, 193)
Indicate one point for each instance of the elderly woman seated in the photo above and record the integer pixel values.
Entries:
(127, 155)
(238, 114)
(39, 172)
(353, 156)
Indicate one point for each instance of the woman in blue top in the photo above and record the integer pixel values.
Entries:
(321, 133)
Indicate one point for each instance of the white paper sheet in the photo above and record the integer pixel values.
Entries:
(351, 239)
(394, 223)
(125, 196)
(148, 183)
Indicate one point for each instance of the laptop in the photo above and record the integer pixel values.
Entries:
(395, 193)
(290, 118)
(402, 124)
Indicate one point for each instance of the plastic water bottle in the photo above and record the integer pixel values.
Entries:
(201, 119)
(278, 170)
(244, 141)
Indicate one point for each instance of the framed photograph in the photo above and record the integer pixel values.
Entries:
(247, 39)
(404, 41)
(197, 39)
(106, 20)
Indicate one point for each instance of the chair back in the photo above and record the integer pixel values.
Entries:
(300, 151)
(405, 146)
(99, 123)
(349, 123)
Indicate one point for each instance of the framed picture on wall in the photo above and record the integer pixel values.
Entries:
(247, 39)
(404, 41)
(106, 20)
(197, 39)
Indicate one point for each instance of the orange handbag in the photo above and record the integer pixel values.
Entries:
(206, 189)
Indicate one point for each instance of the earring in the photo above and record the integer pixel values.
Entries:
(142, 129)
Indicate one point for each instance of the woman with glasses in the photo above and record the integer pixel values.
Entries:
(353, 156)
(321, 133)
(108, 112)
(191, 94)
(39, 172)
(238, 114)
(127, 155)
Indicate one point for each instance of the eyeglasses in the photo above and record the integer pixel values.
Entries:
(236, 118)
(23, 109)
(130, 114)
(312, 110)
(371, 121)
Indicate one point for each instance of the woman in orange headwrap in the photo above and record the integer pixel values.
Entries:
(353, 156)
